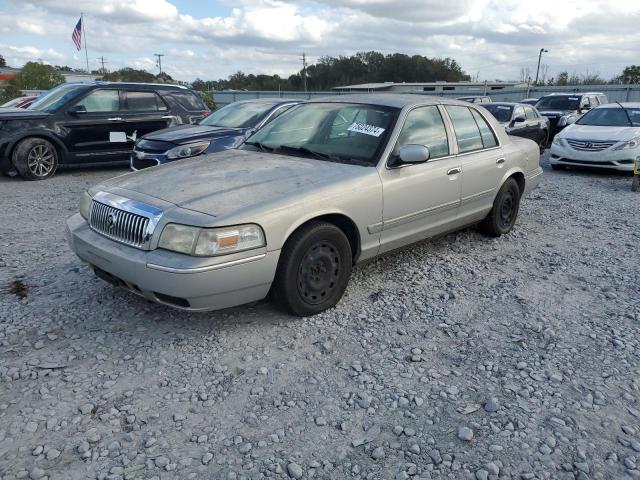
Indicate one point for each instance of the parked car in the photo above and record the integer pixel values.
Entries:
(475, 99)
(530, 101)
(224, 128)
(20, 102)
(331, 183)
(89, 123)
(521, 120)
(563, 109)
(608, 136)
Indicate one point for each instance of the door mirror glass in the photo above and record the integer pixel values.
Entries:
(412, 153)
(519, 119)
(77, 109)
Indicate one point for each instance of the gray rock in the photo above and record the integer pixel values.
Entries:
(465, 433)
(294, 470)
(492, 405)
(377, 453)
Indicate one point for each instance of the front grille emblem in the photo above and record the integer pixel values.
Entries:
(588, 145)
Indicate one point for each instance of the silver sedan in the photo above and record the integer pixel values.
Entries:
(330, 183)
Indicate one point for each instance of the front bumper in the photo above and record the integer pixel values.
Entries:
(622, 160)
(174, 279)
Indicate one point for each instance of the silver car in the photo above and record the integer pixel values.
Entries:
(329, 184)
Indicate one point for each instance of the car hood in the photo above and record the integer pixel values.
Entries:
(188, 133)
(233, 181)
(598, 133)
(21, 114)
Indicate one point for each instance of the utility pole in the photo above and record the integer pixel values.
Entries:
(102, 62)
(542, 50)
(304, 71)
(159, 61)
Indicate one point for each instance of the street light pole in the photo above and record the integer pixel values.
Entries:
(542, 50)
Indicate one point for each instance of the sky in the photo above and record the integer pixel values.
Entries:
(490, 39)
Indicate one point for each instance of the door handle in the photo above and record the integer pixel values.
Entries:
(454, 170)
(114, 119)
(500, 161)
(167, 117)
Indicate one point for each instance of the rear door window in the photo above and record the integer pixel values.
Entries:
(466, 129)
(488, 138)
(530, 113)
(144, 102)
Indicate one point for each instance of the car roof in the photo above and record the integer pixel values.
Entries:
(397, 100)
(151, 86)
(620, 105)
(273, 101)
(510, 104)
(574, 94)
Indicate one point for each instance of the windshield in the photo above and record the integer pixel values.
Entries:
(344, 132)
(501, 112)
(612, 117)
(559, 102)
(238, 115)
(56, 97)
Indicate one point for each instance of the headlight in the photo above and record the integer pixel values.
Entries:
(557, 140)
(85, 205)
(210, 242)
(633, 143)
(567, 120)
(188, 150)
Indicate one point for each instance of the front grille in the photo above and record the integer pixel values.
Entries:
(589, 146)
(140, 163)
(586, 162)
(118, 225)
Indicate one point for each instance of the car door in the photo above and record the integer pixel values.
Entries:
(144, 112)
(518, 128)
(95, 127)
(420, 200)
(481, 160)
(533, 124)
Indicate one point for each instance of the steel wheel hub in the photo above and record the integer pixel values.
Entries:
(318, 272)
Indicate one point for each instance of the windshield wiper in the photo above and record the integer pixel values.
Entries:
(626, 113)
(261, 146)
(308, 151)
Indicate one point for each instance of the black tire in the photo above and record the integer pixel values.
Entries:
(35, 159)
(504, 213)
(635, 184)
(557, 167)
(314, 269)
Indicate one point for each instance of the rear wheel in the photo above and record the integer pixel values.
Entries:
(505, 209)
(35, 159)
(557, 167)
(314, 269)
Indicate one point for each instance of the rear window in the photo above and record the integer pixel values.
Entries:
(189, 100)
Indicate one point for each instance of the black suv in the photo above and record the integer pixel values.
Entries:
(563, 109)
(89, 123)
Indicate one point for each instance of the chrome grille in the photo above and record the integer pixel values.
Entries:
(589, 146)
(118, 225)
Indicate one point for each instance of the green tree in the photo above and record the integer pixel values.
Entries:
(563, 79)
(38, 76)
(3, 62)
(631, 74)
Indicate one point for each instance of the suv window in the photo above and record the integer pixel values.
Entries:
(424, 126)
(531, 113)
(466, 129)
(144, 102)
(189, 100)
(488, 138)
(101, 100)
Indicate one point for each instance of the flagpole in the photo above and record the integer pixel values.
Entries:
(84, 33)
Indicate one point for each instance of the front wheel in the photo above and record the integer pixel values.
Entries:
(35, 159)
(314, 269)
(505, 209)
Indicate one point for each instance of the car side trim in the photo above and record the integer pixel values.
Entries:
(410, 217)
(476, 196)
(206, 268)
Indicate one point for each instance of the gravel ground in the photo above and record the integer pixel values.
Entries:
(463, 357)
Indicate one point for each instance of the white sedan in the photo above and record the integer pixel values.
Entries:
(607, 136)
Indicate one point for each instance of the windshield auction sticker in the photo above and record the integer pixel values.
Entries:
(366, 129)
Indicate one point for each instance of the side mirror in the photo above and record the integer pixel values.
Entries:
(585, 108)
(519, 119)
(410, 154)
(77, 110)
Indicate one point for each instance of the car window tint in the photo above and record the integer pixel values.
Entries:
(101, 101)
(488, 138)
(530, 113)
(424, 126)
(189, 100)
(466, 129)
(144, 102)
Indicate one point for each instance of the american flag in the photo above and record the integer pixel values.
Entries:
(76, 36)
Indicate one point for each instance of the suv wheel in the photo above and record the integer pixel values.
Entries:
(314, 269)
(504, 213)
(35, 159)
